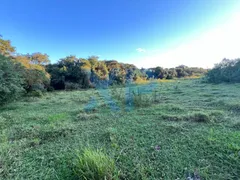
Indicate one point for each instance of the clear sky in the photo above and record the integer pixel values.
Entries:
(146, 33)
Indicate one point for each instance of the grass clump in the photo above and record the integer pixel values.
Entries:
(171, 117)
(112, 137)
(196, 117)
(95, 165)
(200, 117)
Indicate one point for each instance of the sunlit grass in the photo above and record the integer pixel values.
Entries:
(179, 128)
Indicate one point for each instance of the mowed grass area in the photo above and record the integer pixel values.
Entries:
(167, 131)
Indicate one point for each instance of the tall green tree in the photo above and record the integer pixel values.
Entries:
(11, 80)
(225, 71)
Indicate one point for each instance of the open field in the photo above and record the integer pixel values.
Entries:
(166, 131)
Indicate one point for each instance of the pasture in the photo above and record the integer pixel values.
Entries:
(166, 130)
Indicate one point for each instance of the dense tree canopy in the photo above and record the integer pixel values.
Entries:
(11, 80)
(226, 71)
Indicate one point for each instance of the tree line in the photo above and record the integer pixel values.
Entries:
(34, 72)
(226, 71)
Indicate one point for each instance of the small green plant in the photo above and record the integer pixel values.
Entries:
(112, 135)
(211, 136)
(95, 165)
(34, 142)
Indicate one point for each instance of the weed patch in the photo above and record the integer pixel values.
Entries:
(95, 165)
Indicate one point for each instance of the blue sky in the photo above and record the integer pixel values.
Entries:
(143, 32)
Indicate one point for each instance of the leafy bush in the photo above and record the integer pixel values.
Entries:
(95, 165)
(35, 93)
(38, 86)
(10, 80)
(226, 71)
(36, 80)
(72, 86)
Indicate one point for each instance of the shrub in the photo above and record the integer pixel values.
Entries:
(95, 165)
(72, 86)
(35, 80)
(10, 80)
(36, 93)
(38, 87)
(225, 71)
(50, 89)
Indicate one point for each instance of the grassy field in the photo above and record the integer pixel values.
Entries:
(167, 131)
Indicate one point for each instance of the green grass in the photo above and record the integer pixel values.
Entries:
(95, 165)
(168, 133)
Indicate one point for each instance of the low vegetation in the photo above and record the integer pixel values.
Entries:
(159, 130)
(95, 165)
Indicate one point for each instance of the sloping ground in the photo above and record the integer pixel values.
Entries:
(166, 131)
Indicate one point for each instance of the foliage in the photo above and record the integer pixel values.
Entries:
(6, 48)
(74, 73)
(35, 80)
(10, 80)
(39, 58)
(95, 165)
(68, 70)
(178, 72)
(35, 93)
(225, 71)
